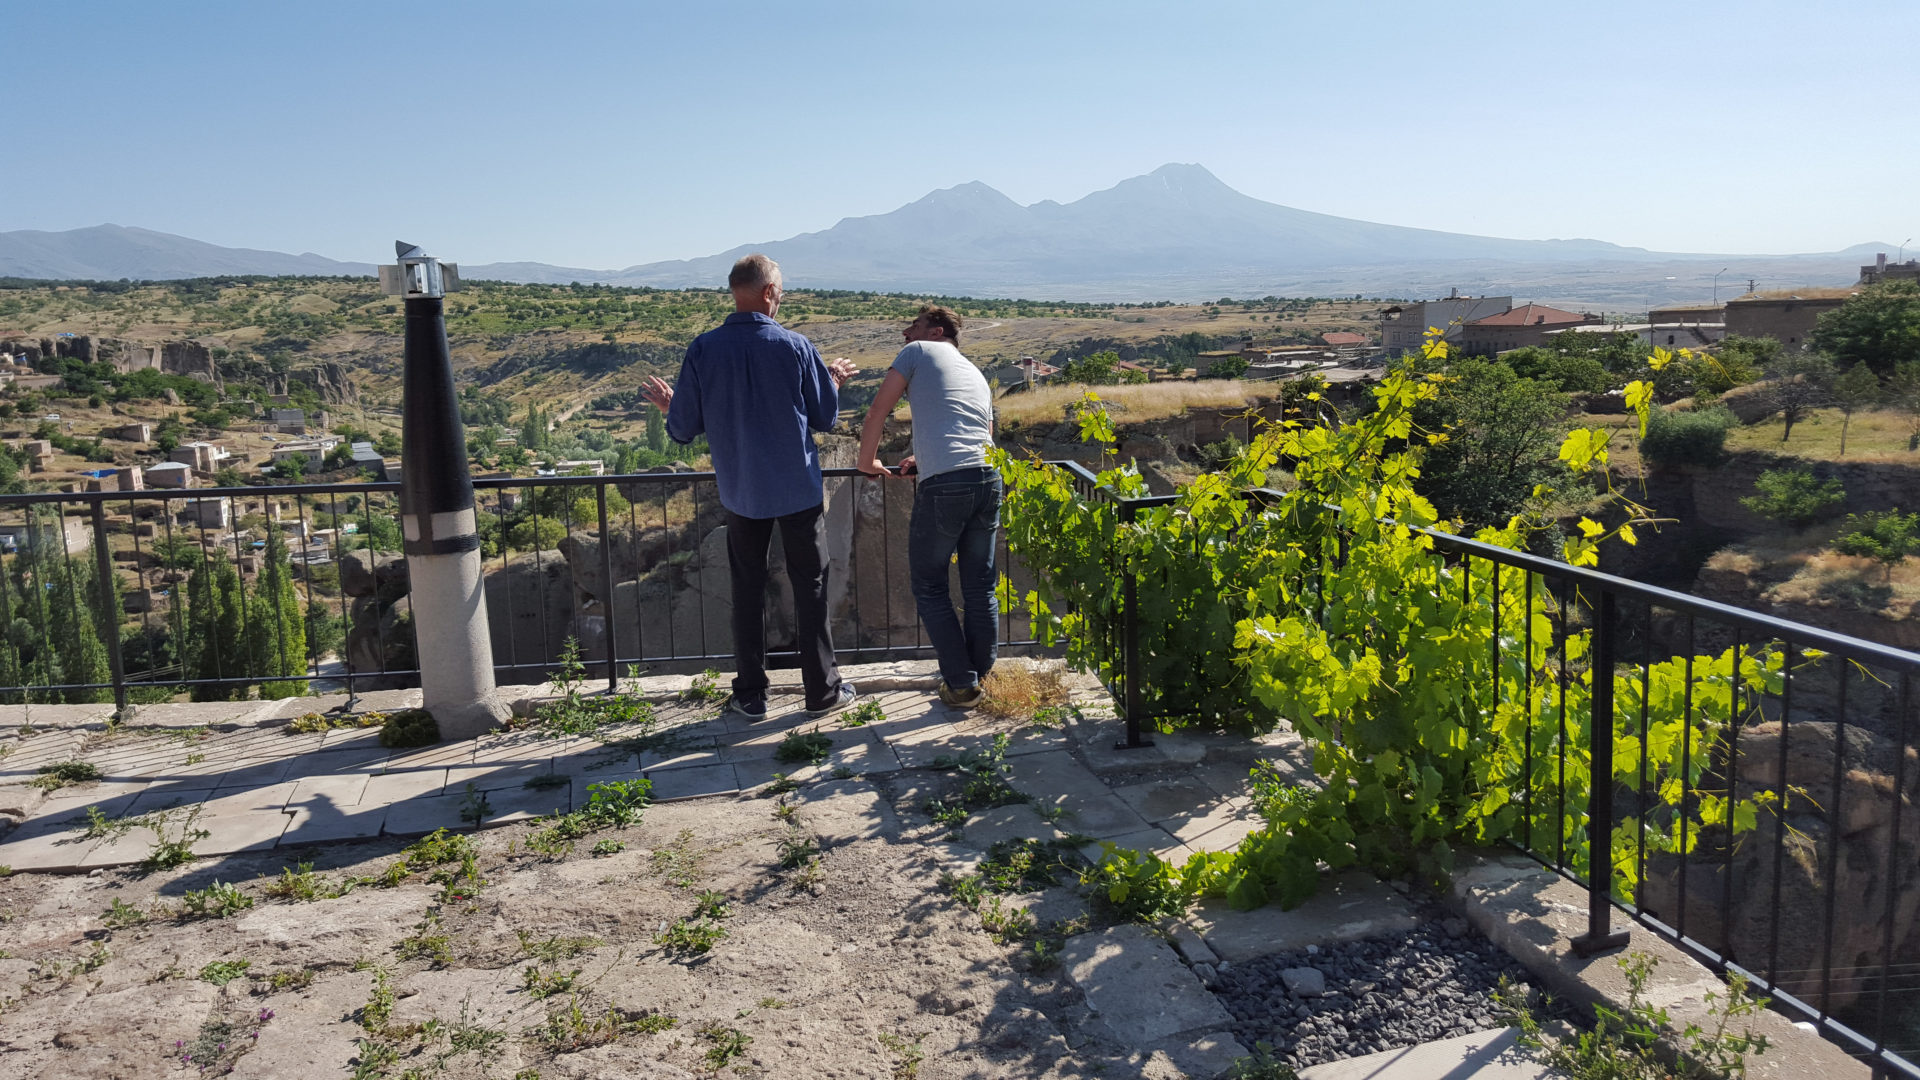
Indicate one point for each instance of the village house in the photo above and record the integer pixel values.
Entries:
(1517, 328)
(1404, 328)
(1785, 315)
(169, 474)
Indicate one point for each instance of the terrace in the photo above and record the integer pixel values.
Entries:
(1712, 709)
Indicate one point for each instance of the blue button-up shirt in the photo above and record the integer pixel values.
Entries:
(758, 391)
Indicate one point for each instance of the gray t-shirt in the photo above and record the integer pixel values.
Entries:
(952, 407)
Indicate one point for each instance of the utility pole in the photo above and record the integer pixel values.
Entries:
(437, 520)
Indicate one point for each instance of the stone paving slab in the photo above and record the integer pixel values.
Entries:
(392, 787)
(693, 783)
(1483, 1055)
(1220, 829)
(426, 813)
(1348, 907)
(1133, 981)
(986, 828)
(1157, 841)
(1105, 816)
(324, 824)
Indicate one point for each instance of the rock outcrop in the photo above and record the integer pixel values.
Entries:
(1779, 905)
(380, 619)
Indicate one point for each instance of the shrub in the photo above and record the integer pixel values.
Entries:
(1884, 537)
(410, 727)
(1687, 438)
(1795, 496)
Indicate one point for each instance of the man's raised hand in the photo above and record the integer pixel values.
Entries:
(841, 369)
(658, 392)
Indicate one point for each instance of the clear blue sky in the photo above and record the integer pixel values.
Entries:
(607, 134)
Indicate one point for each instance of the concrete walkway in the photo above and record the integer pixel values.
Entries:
(258, 785)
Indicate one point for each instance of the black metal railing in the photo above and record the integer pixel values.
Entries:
(1814, 901)
(96, 600)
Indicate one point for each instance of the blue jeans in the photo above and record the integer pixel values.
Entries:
(957, 513)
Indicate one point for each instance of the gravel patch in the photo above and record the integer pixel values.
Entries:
(1397, 990)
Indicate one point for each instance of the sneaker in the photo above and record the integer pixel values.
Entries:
(962, 699)
(842, 698)
(753, 707)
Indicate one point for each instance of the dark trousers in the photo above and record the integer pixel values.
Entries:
(803, 535)
(956, 516)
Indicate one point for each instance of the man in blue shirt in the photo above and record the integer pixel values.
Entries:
(759, 391)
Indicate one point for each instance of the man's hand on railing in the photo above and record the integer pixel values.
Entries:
(658, 392)
(876, 467)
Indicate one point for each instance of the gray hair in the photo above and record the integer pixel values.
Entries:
(754, 272)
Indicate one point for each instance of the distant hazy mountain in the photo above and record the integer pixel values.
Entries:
(1175, 233)
(112, 252)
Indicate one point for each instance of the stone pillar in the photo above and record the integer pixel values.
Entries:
(437, 521)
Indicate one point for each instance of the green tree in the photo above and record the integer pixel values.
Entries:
(1854, 389)
(1903, 393)
(1094, 369)
(1227, 367)
(1886, 538)
(1497, 436)
(1795, 496)
(277, 632)
(536, 533)
(293, 468)
(1879, 326)
(1797, 384)
(72, 634)
(656, 429)
(387, 444)
(216, 646)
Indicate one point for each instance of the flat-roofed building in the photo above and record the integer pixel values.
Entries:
(169, 474)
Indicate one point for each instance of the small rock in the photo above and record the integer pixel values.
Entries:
(1455, 927)
(1305, 981)
(1206, 973)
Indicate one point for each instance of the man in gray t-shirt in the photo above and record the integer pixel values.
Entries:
(956, 505)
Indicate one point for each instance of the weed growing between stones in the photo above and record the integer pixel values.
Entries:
(314, 722)
(543, 984)
(547, 782)
(556, 948)
(474, 807)
(577, 714)
(712, 905)
(61, 773)
(780, 785)
(727, 1044)
(984, 785)
(796, 850)
(706, 689)
(305, 886)
(907, 1055)
(424, 944)
(1024, 865)
(575, 1028)
(222, 972)
(604, 848)
(804, 748)
(173, 838)
(1626, 1046)
(612, 805)
(216, 901)
(690, 937)
(92, 960)
(678, 862)
(867, 712)
(98, 826)
(1006, 924)
(122, 915)
(409, 728)
(281, 981)
(220, 1043)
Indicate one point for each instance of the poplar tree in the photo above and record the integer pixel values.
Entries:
(277, 630)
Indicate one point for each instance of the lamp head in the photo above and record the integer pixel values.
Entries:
(418, 275)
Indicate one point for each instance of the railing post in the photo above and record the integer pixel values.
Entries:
(1599, 938)
(103, 569)
(606, 596)
(1130, 647)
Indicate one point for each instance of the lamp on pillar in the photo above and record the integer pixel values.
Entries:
(437, 521)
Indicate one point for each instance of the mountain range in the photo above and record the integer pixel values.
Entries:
(1175, 233)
